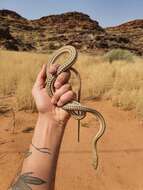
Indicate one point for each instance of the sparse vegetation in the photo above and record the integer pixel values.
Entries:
(17, 75)
(119, 54)
(120, 82)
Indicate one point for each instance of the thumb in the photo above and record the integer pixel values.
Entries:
(41, 77)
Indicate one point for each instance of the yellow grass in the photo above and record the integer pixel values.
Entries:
(121, 82)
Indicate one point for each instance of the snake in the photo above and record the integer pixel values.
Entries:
(74, 107)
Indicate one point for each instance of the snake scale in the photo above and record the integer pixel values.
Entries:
(76, 110)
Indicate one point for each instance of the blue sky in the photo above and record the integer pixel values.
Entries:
(106, 12)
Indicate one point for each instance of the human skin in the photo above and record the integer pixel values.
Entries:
(39, 167)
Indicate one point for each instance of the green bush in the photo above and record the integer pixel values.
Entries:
(119, 54)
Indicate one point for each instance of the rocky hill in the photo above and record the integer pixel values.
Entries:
(133, 31)
(78, 29)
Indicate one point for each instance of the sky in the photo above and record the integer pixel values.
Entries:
(106, 12)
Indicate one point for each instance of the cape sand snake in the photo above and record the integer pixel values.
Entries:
(77, 110)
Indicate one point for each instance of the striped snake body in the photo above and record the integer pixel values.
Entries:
(77, 110)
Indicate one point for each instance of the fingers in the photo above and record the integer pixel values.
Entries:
(63, 93)
(66, 97)
(62, 78)
(59, 92)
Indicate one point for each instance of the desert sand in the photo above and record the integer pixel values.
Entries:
(120, 150)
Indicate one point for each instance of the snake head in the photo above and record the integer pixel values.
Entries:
(95, 163)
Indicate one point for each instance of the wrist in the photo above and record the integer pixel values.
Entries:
(56, 115)
(49, 117)
(48, 132)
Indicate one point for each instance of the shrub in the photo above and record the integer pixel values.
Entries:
(119, 54)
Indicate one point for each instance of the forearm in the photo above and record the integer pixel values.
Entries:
(42, 157)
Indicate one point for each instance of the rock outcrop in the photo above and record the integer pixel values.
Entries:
(74, 28)
(133, 32)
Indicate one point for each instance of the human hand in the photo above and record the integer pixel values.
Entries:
(48, 106)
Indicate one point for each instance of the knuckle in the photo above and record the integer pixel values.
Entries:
(67, 86)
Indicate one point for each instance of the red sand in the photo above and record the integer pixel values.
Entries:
(120, 151)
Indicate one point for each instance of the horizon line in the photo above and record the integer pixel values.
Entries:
(32, 19)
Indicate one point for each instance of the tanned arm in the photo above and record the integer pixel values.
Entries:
(39, 167)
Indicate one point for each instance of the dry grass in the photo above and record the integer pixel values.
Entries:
(17, 75)
(121, 81)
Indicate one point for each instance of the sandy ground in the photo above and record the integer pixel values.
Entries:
(120, 151)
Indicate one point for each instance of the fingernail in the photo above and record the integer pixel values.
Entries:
(59, 104)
